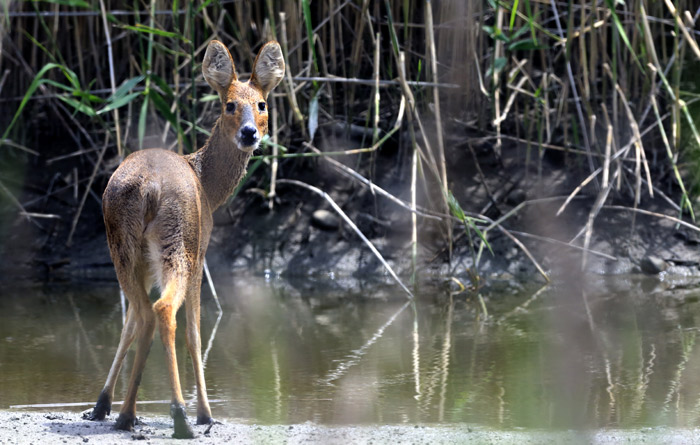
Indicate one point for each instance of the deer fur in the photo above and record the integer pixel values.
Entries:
(158, 216)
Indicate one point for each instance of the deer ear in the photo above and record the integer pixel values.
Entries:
(218, 68)
(268, 68)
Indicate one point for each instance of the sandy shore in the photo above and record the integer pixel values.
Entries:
(17, 427)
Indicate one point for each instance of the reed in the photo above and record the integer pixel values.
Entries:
(609, 84)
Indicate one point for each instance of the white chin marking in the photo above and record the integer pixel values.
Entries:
(245, 148)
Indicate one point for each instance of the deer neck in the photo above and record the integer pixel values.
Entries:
(220, 166)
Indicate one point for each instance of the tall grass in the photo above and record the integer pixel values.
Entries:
(606, 83)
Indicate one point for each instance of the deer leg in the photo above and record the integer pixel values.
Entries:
(165, 309)
(145, 330)
(104, 402)
(194, 345)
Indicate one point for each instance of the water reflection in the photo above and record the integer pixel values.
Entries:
(616, 353)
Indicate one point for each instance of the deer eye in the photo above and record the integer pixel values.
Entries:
(262, 106)
(230, 107)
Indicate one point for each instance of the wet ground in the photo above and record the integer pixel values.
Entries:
(609, 354)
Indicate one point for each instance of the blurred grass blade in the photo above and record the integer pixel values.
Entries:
(142, 123)
(38, 80)
(73, 3)
(623, 34)
(159, 32)
(119, 102)
(128, 86)
(513, 13)
(313, 116)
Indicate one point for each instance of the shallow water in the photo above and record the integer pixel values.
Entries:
(618, 352)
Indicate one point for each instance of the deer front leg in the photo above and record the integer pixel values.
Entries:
(194, 345)
(166, 309)
(104, 402)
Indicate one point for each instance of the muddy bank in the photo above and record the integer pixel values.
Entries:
(18, 427)
(285, 236)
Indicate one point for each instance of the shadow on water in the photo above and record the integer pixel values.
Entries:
(615, 353)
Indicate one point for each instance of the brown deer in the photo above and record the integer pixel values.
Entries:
(158, 214)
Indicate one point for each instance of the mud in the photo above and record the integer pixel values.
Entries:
(69, 428)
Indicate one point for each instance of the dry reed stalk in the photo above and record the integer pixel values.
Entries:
(619, 155)
(606, 162)
(375, 122)
(331, 38)
(275, 162)
(688, 38)
(289, 82)
(414, 218)
(112, 80)
(371, 82)
(651, 51)
(671, 157)
(574, 90)
(357, 46)
(432, 57)
(413, 116)
(511, 100)
(600, 200)
(640, 155)
(498, 52)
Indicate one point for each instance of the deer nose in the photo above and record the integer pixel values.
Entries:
(249, 135)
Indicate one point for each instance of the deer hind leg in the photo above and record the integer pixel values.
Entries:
(194, 345)
(138, 318)
(104, 402)
(144, 327)
(172, 297)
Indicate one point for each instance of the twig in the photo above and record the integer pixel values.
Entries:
(374, 188)
(357, 354)
(210, 342)
(525, 251)
(564, 244)
(15, 201)
(658, 215)
(18, 146)
(40, 215)
(351, 224)
(211, 286)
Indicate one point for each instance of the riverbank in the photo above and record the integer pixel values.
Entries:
(19, 427)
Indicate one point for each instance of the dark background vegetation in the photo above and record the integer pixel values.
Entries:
(482, 117)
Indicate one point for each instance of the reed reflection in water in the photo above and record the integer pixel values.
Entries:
(619, 352)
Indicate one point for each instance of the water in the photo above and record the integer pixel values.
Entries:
(619, 352)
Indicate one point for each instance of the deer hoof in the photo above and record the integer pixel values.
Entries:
(182, 428)
(102, 408)
(125, 422)
(204, 420)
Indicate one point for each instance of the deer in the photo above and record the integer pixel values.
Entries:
(157, 209)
